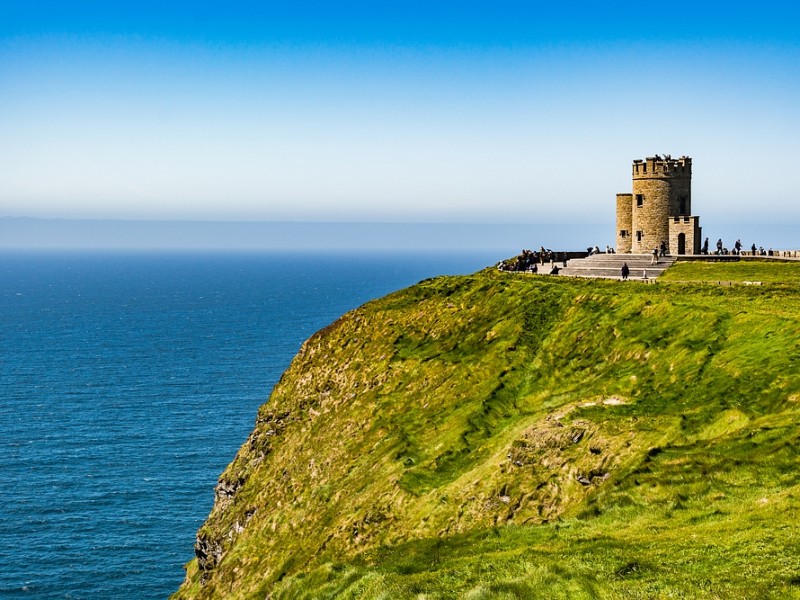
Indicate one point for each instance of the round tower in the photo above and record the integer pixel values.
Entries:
(662, 189)
(624, 222)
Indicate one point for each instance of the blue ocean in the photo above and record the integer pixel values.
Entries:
(127, 383)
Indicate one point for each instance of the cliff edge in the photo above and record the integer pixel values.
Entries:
(499, 435)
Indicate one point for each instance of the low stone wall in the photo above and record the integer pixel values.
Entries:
(785, 255)
(776, 253)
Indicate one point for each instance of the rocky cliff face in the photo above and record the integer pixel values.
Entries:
(460, 405)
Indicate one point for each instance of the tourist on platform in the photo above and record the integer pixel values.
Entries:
(624, 271)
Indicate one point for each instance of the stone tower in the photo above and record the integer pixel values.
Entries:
(659, 209)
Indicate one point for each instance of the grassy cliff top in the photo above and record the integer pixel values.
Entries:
(513, 436)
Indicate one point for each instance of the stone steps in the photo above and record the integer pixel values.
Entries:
(608, 266)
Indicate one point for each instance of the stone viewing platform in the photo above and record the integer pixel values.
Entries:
(774, 255)
(609, 266)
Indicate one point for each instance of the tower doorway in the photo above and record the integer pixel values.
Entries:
(681, 243)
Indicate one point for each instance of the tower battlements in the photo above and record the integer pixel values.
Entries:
(654, 167)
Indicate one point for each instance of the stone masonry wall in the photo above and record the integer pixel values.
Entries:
(690, 228)
(651, 217)
(624, 222)
(680, 187)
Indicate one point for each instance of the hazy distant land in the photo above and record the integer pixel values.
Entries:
(504, 239)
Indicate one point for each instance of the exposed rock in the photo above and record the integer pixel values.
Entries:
(209, 553)
(225, 491)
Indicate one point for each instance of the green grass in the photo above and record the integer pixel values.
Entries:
(746, 270)
(506, 436)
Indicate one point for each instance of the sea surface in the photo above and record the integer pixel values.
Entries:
(127, 384)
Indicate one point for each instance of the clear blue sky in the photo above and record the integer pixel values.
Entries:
(477, 112)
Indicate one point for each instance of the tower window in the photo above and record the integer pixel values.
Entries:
(623, 233)
(639, 199)
(639, 235)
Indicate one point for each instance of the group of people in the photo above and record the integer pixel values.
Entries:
(529, 260)
(721, 250)
(761, 252)
(658, 252)
(596, 250)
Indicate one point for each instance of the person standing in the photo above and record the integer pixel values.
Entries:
(624, 271)
(654, 260)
